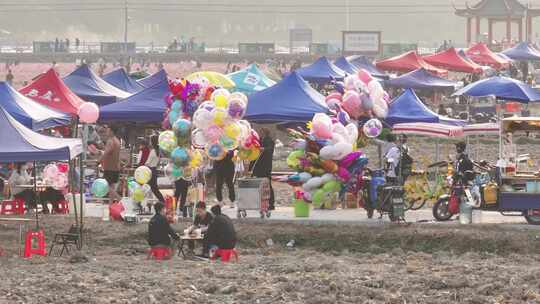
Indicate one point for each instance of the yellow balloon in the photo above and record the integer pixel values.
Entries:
(254, 154)
(219, 118)
(221, 102)
(138, 194)
(196, 159)
(232, 130)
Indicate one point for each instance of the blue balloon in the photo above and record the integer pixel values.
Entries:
(180, 157)
(173, 117)
(344, 118)
(182, 127)
(340, 87)
(177, 106)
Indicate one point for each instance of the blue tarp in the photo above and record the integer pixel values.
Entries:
(28, 112)
(421, 80)
(120, 79)
(345, 65)
(522, 51)
(362, 62)
(503, 88)
(20, 144)
(291, 100)
(153, 79)
(408, 108)
(321, 71)
(147, 106)
(88, 86)
(250, 80)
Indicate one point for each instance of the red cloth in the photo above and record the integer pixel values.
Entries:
(144, 156)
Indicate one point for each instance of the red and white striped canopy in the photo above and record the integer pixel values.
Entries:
(428, 129)
(481, 129)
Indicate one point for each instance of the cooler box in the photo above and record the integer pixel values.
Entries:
(490, 194)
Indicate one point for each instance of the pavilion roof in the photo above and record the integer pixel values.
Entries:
(494, 8)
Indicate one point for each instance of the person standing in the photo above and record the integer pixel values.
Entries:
(144, 151)
(181, 187)
(263, 166)
(391, 157)
(224, 170)
(9, 77)
(110, 161)
(153, 162)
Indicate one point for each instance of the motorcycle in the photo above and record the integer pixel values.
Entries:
(386, 199)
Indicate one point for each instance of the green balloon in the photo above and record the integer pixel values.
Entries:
(318, 198)
(293, 159)
(177, 172)
(332, 186)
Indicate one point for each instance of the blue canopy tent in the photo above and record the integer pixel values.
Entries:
(153, 79)
(20, 144)
(502, 88)
(291, 100)
(408, 108)
(362, 62)
(523, 52)
(321, 71)
(147, 106)
(120, 79)
(28, 112)
(250, 80)
(345, 65)
(421, 79)
(88, 86)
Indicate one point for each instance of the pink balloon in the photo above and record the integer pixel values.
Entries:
(365, 76)
(88, 112)
(343, 174)
(213, 133)
(334, 95)
(321, 126)
(351, 103)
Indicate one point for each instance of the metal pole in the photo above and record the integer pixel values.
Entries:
(348, 15)
(81, 193)
(126, 20)
(34, 171)
(72, 165)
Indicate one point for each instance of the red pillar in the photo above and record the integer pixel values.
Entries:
(469, 25)
(490, 31)
(508, 29)
(520, 29)
(477, 29)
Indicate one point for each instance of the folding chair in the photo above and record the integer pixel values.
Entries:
(72, 237)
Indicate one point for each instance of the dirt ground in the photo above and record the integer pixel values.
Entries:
(328, 264)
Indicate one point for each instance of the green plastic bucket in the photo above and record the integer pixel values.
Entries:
(301, 208)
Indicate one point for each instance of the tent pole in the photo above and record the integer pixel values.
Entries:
(81, 193)
(34, 171)
(437, 150)
(72, 164)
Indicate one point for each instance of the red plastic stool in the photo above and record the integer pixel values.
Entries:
(29, 250)
(15, 206)
(63, 207)
(225, 255)
(159, 253)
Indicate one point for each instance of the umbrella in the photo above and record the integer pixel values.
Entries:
(502, 88)
(214, 78)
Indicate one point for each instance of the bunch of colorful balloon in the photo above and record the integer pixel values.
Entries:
(175, 141)
(325, 159)
(56, 175)
(219, 127)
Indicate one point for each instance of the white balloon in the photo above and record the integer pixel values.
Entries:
(337, 138)
(218, 92)
(314, 182)
(342, 150)
(327, 177)
(328, 152)
(352, 131)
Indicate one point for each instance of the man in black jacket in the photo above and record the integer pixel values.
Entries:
(159, 230)
(463, 164)
(221, 232)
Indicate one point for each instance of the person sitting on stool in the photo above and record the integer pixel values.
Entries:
(159, 230)
(202, 221)
(221, 233)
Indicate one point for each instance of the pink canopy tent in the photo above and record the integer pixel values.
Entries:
(451, 61)
(408, 62)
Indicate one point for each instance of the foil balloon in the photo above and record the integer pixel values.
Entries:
(372, 128)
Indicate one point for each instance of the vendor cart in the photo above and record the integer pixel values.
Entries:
(519, 184)
(253, 194)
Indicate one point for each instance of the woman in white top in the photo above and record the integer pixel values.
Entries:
(153, 162)
(19, 176)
